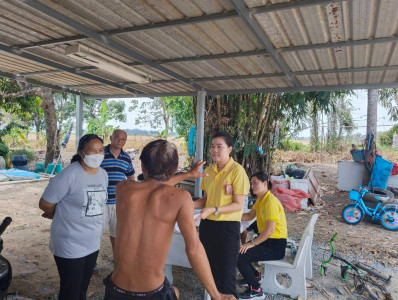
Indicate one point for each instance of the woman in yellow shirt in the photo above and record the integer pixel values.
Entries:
(225, 188)
(270, 244)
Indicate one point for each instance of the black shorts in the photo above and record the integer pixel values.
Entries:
(164, 292)
(253, 227)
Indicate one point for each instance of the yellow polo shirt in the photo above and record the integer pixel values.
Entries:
(269, 208)
(214, 186)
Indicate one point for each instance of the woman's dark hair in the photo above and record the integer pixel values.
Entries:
(82, 143)
(262, 177)
(160, 159)
(226, 136)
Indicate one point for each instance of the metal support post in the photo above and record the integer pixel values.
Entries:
(79, 119)
(200, 128)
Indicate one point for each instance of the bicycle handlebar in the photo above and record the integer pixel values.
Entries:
(323, 265)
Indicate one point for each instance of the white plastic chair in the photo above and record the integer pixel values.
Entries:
(298, 270)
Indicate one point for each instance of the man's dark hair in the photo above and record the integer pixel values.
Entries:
(160, 159)
(83, 142)
(226, 136)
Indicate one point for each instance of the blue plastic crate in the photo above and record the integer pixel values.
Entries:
(358, 155)
(354, 195)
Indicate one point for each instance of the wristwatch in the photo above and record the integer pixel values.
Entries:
(216, 212)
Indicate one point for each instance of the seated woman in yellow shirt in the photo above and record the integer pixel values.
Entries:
(270, 244)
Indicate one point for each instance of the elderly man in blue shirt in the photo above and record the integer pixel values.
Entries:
(118, 165)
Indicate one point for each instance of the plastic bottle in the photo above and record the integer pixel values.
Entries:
(246, 206)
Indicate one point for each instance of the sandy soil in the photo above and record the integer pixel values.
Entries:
(35, 275)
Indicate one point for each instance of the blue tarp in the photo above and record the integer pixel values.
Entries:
(380, 173)
(16, 174)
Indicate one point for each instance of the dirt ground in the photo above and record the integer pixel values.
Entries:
(35, 275)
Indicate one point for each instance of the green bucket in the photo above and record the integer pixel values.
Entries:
(50, 167)
(39, 167)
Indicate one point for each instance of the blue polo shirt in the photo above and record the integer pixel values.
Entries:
(118, 169)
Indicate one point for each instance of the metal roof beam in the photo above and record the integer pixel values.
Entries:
(39, 83)
(40, 72)
(105, 40)
(346, 70)
(289, 5)
(79, 86)
(258, 91)
(187, 21)
(193, 58)
(214, 56)
(307, 88)
(58, 66)
(392, 39)
(241, 8)
(259, 76)
(235, 77)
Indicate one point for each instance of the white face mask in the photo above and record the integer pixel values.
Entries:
(93, 160)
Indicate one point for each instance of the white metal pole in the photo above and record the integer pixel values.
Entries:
(200, 128)
(79, 119)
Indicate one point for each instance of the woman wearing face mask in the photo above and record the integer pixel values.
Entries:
(225, 188)
(75, 200)
(270, 244)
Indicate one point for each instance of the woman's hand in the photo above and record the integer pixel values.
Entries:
(246, 247)
(205, 212)
(47, 215)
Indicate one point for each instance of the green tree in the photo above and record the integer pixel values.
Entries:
(96, 113)
(166, 114)
(389, 100)
(98, 125)
(17, 114)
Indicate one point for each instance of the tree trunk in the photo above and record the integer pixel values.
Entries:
(166, 118)
(51, 123)
(315, 134)
(371, 126)
(37, 122)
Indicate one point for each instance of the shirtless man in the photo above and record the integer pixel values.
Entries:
(146, 213)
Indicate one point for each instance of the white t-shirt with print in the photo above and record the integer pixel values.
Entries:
(77, 224)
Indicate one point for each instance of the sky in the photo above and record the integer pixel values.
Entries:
(359, 113)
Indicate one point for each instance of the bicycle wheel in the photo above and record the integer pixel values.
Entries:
(389, 219)
(377, 293)
(352, 215)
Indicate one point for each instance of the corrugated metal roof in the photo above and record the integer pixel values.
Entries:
(220, 46)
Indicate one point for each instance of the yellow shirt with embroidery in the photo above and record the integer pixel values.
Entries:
(269, 208)
(214, 186)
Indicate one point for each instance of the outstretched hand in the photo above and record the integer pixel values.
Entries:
(196, 170)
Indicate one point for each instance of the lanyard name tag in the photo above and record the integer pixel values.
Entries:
(229, 189)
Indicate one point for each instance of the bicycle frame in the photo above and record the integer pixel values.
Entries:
(334, 256)
(361, 272)
(376, 212)
(362, 277)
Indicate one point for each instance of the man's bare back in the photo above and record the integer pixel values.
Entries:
(146, 213)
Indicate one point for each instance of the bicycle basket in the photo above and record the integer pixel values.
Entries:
(354, 195)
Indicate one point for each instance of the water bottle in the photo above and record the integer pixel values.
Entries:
(246, 206)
